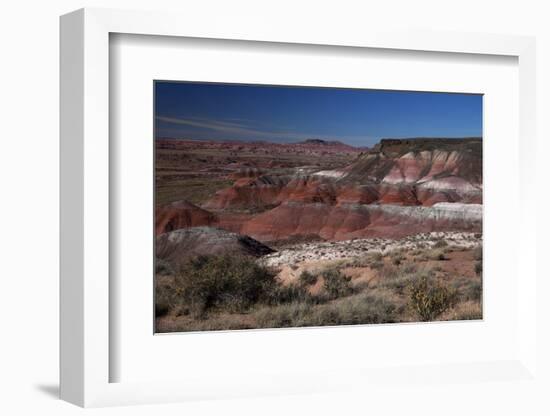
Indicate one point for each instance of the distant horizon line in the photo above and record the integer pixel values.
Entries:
(324, 140)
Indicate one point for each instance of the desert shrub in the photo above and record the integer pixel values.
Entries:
(365, 309)
(429, 299)
(225, 281)
(478, 267)
(360, 285)
(409, 268)
(215, 322)
(357, 309)
(465, 311)
(307, 278)
(478, 253)
(399, 283)
(362, 261)
(282, 316)
(165, 298)
(281, 294)
(438, 255)
(388, 272)
(163, 267)
(377, 265)
(440, 244)
(336, 284)
(374, 257)
(473, 290)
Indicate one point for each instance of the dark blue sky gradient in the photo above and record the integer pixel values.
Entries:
(289, 114)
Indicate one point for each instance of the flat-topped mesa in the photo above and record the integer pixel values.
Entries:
(421, 160)
(397, 147)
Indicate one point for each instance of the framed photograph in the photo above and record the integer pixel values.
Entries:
(280, 206)
(275, 212)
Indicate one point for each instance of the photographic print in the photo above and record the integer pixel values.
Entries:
(291, 206)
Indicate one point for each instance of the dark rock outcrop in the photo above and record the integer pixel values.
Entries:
(179, 245)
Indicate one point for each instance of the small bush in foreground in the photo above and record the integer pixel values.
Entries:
(440, 244)
(228, 281)
(307, 278)
(478, 253)
(163, 267)
(438, 255)
(478, 267)
(164, 296)
(429, 299)
(281, 294)
(336, 284)
(465, 311)
(357, 309)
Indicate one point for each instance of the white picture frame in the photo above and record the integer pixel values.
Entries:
(85, 211)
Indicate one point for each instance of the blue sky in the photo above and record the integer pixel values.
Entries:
(215, 111)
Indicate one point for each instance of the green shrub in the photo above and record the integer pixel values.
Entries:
(163, 267)
(437, 254)
(165, 298)
(440, 244)
(409, 268)
(389, 272)
(374, 257)
(357, 309)
(282, 316)
(473, 290)
(366, 309)
(429, 299)
(478, 253)
(377, 265)
(223, 281)
(336, 284)
(399, 283)
(281, 294)
(307, 278)
(478, 267)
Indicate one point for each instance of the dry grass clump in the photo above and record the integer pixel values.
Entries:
(464, 311)
(364, 308)
(223, 281)
(163, 267)
(431, 254)
(478, 253)
(478, 267)
(307, 278)
(282, 294)
(373, 260)
(440, 244)
(468, 289)
(399, 279)
(438, 255)
(429, 298)
(335, 283)
(165, 296)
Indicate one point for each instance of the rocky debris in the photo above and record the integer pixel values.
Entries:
(177, 246)
(181, 214)
(327, 251)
